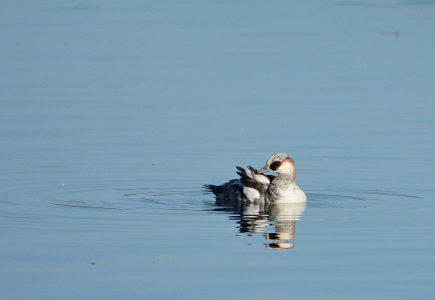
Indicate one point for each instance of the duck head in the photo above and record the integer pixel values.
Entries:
(280, 163)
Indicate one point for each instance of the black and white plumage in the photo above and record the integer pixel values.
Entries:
(253, 186)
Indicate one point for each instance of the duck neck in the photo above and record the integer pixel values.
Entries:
(286, 177)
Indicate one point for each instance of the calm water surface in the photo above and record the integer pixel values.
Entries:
(113, 116)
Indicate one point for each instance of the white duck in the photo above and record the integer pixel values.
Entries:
(253, 186)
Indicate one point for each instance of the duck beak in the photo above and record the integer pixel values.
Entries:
(264, 170)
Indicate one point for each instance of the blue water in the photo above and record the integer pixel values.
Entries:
(114, 115)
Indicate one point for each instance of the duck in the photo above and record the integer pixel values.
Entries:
(255, 186)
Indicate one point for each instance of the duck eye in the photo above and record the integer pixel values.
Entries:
(275, 165)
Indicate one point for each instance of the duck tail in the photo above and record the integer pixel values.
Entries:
(215, 189)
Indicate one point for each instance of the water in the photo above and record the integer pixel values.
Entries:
(114, 115)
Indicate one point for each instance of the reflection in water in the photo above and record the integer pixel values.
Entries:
(284, 217)
(277, 221)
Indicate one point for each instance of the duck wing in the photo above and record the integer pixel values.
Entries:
(251, 187)
(253, 183)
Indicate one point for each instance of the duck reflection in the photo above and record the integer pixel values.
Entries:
(265, 201)
(284, 217)
(276, 221)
